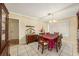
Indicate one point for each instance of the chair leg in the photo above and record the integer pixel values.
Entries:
(59, 46)
(38, 46)
(42, 49)
(48, 47)
(56, 48)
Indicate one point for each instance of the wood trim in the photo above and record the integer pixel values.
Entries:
(6, 44)
(0, 23)
(4, 7)
(78, 18)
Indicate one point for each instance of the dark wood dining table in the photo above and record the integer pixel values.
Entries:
(51, 40)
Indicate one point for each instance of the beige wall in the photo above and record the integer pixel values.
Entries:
(23, 21)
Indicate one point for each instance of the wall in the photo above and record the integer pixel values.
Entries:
(23, 21)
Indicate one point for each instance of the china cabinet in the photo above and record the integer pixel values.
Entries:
(4, 46)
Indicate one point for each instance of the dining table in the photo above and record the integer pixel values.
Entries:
(51, 40)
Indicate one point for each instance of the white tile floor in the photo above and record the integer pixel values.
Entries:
(31, 50)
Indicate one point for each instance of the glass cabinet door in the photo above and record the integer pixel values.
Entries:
(3, 28)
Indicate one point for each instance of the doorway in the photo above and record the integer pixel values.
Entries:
(13, 31)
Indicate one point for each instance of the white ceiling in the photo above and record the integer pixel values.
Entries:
(41, 10)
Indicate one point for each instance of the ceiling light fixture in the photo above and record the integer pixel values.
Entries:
(50, 21)
(49, 14)
(54, 21)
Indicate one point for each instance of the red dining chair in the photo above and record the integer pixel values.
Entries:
(48, 33)
(56, 33)
(42, 43)
(59, 42)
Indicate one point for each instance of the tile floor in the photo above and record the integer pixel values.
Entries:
(31, 50)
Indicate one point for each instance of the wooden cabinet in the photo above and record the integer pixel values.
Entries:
(78, 32)
(5, 51)
(78, 22)
(4, 30)
(31, 38)
(78, 18)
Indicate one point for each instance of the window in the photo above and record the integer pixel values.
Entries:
(61, 27)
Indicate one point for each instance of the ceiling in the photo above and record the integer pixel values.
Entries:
(41, 10)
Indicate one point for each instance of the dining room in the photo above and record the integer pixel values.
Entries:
(45, 31)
